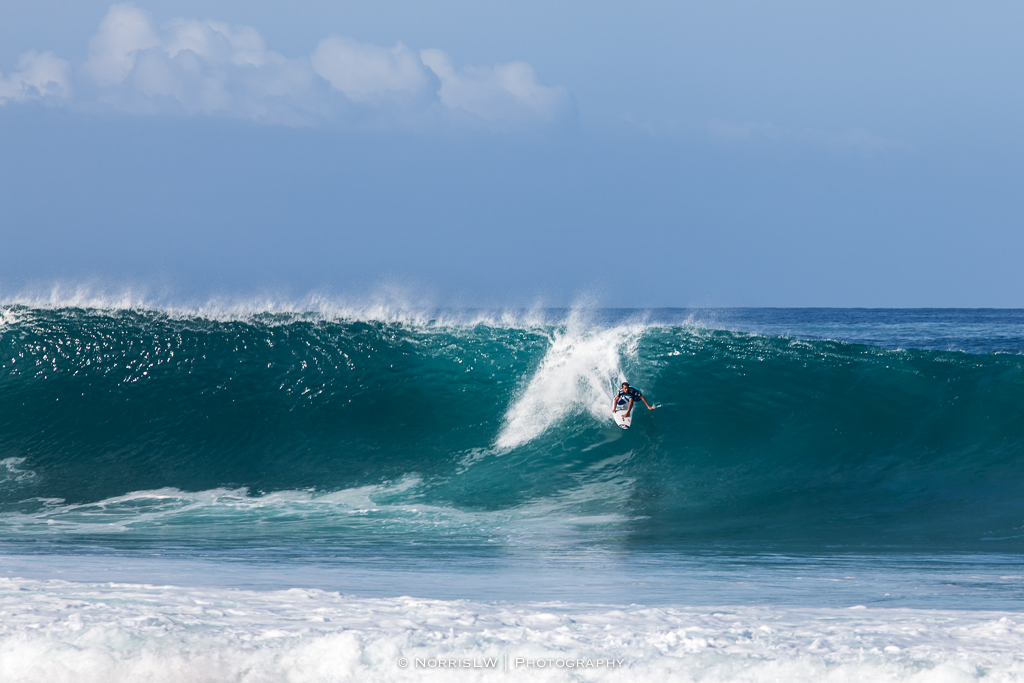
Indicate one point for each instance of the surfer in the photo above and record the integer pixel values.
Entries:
(631, 394)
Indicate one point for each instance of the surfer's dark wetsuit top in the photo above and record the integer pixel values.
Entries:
(631, 393)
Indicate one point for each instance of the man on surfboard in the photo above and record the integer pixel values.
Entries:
(630, 394)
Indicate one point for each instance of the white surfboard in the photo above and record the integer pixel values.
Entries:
(620, 418)
(619, 415)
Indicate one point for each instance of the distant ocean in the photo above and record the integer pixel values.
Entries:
(358, 495)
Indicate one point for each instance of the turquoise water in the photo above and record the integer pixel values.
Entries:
(467, 451)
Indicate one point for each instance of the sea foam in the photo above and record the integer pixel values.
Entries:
(57, 631)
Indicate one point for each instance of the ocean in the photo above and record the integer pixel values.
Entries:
(334, 494)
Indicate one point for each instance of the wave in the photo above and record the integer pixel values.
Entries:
(387, 304)
(756, 438)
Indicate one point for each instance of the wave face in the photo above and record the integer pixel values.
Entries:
(288, 424)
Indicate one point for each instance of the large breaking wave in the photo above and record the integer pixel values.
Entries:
(138, 421)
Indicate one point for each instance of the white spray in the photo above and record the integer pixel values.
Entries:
(575, 376)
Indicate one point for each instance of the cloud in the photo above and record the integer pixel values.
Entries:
(365, 73)
(39, 76)
(503, 92)
(195, 67)
(191, 67)
(218, 42)
(113, 50)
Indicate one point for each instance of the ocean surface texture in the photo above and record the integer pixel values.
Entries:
(343, 495)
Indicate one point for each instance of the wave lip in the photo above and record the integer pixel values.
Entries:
(387, 306)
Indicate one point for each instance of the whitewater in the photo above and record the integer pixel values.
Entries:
(330, 494)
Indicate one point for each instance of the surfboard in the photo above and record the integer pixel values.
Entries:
(620, 411)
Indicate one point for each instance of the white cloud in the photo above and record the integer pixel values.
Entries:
(192, 67)
(278, 90)
(39, 76)
(365, 73)
(218, 42)
(113, 50)
(504, 92)
(195, 67)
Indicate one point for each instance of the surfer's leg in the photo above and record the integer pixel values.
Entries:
(629, 409)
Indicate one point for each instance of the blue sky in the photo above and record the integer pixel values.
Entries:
(641, 154)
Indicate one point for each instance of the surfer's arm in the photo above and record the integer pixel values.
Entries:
(645, 402)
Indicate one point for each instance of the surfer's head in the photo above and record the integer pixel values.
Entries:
(625, 385)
